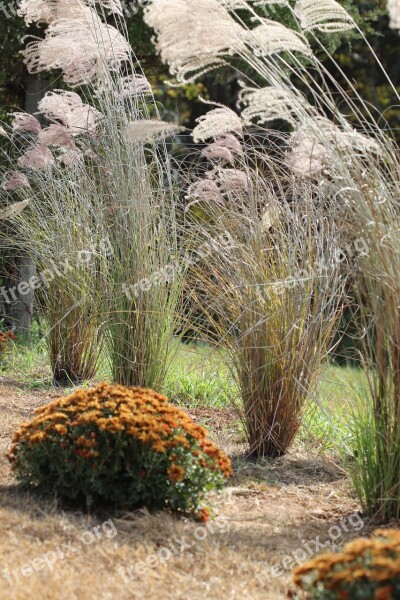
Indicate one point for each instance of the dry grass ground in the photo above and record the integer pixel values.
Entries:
(267, 512)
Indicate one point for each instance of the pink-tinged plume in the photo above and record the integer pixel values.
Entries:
(25, 123)
(15, 180)
(204, 190)
(232, 180)
(225, 148)
(37, 158)
(58, 136)
(70, 111)
(70, 156)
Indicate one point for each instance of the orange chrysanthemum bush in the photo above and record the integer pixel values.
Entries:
(127, 447)
(367, 569)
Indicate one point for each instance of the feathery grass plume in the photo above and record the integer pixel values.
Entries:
(47, 11)
(271, 103)
(193, 36)
(14, 210)
(148, 130)
(68, 109)
(81, 48)
(327, 16)
(231, 180)
(36, 158)
(225, 147)
(270, 2)
(338, 139)
(217, 122)
(25, 123)
(394, 13)
(58, 136)
(70, 156)
(217, 151)
(14, 180)
(271, 37)
(129, 86)
(311, 147)
(307, 157)
(134, 85)
(205, 190)
(228, 140)
(269, 299)
(269, 49)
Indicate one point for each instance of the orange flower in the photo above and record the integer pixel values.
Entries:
(203, 515)
(83, 441)
(61, 429)
(37, 437)
(176, 473)
(180, 440)
(384, 593)
(159, 446)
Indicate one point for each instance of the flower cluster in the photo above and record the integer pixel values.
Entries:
(125, 446)
(5, 337)
(367, 568)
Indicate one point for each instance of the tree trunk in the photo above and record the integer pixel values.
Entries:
(21, 306)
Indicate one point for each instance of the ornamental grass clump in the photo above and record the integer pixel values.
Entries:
(367, 568)
(269, 297)
(95, 166)
(118, 446)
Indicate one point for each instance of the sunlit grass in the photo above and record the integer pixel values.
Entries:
(199, 378)
(326, 418)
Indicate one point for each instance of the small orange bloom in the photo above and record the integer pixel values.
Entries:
(203, 515)
(176, 473)
(384, 593)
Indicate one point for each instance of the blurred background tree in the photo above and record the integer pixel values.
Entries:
(183, 102)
